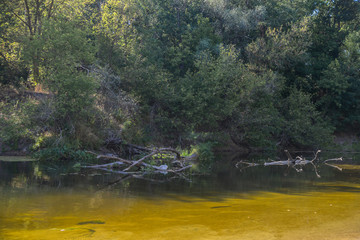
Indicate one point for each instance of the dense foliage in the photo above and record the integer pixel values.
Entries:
(264, 74)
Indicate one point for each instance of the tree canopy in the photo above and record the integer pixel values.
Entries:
(262, 73)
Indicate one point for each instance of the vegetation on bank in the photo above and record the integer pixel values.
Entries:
(85, 74)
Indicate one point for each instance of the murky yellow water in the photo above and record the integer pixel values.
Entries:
(259, 215)
(256, 204)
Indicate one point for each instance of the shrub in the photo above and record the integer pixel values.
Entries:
(15, 129)
(205, 154)
(302, 125)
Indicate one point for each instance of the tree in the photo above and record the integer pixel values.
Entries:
(30, 15)
(12, 69)
(332, 21)
(302, 124)
(237, 22)
(223, 96)
(286, 12)
(340, 85)
(66, 53)
(116, 33)
(27, 23)
(212, 93)
(286, 52)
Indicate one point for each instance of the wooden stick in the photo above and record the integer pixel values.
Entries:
(141, 160)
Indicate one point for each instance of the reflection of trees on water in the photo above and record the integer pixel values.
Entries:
(16, 174)
(26, 175)
(224, 179)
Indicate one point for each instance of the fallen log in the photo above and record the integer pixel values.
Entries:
(295, 163)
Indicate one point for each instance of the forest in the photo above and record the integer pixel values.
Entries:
(79, 75)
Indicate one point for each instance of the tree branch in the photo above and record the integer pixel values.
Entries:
(16, 15)
(172, 166)
(28, 16)
(141, 160)
(50, 9)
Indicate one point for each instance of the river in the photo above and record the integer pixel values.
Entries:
(45, 201)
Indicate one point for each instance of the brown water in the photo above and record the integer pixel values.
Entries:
(259, 203)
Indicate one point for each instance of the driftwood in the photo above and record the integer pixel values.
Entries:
(156, 160)
(295, 163)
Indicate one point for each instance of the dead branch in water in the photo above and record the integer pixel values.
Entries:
(157, 160)
(295, 163)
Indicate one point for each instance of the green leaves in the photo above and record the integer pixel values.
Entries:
(281, 50)
(340, 84)
(66, 54)
(302, 124)
(214, 91)
(253, 69)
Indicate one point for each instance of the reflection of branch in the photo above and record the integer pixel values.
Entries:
(297, 164)
(117, 180)
(246, 163)
(316, 171)
(334, 166)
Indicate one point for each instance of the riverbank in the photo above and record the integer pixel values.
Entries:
(343, 142)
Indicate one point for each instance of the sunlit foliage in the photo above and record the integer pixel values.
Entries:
(262, 73)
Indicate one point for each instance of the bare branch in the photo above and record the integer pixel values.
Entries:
(107, 165)
(50, 9)
(333, 159)
(297, 164)
(28, 16)
(316, 155)
(115, 158)
(288, 155)
(277, 163)
(16, 15)
(181, 169)
(141, 160)
(122, 166)
(115, 171)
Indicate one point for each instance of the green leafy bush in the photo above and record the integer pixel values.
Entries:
(205, 154)
(15, 128)
(302, 125)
